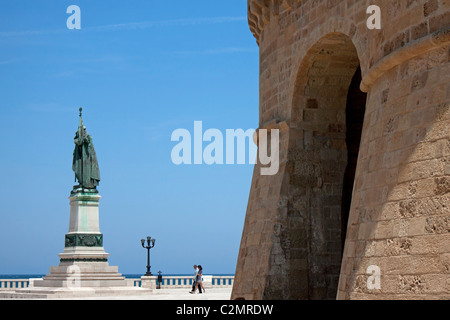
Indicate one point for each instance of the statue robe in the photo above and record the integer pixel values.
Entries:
(85, 163)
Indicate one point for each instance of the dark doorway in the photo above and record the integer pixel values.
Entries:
(355, 109)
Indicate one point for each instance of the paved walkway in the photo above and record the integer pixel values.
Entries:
(163, 294)
(175, 294)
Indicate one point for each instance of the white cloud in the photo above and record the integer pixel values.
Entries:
(9, 61)
(229, 50)
(167, 23)
(130, 26)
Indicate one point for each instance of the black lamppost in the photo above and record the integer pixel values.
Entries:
(150, 244)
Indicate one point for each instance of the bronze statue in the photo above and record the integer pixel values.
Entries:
(85, 163)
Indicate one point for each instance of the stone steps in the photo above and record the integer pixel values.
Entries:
(68, 293)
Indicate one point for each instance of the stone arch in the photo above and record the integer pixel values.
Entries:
(326, 124)
(332, 27)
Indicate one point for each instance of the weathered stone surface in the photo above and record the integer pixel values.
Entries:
(375, 173)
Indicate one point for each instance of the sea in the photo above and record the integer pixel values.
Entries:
(128, 276)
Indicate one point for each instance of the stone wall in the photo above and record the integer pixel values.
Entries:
(311, 54)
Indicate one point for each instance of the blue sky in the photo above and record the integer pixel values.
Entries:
(140, 69)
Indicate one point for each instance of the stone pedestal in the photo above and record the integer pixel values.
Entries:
(84, 242)
(83, 269)
(84, 260)
(149, 282)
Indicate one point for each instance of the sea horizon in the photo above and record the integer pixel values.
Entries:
(126, 275)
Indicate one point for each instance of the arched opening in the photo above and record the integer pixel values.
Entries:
(355, 110)
(328, 112)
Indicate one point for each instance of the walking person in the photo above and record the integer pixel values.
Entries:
(194, 285)
(200, 279)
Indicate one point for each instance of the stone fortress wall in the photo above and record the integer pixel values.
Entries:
(360, 206)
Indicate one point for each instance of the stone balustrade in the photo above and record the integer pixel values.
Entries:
(6, 284)
(168, 282)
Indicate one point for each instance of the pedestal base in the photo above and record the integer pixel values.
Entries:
(72, 293)
(79, 279)
(78, 274)
(83, 254)
(83, 262)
